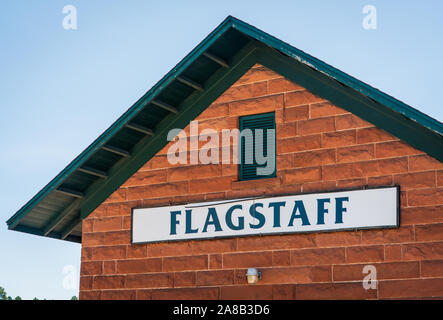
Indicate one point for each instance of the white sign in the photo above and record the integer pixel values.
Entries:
(356, 209)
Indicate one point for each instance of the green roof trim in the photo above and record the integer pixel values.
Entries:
(180, 96)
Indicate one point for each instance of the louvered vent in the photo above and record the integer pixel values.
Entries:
(248, 166)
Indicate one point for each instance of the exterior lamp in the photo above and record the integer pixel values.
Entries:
(253, 275)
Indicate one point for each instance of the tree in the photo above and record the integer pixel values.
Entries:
(74, 298)
(3, 295)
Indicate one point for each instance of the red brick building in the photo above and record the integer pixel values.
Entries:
(332, 133)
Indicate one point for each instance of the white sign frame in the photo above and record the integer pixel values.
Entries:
(162, 213)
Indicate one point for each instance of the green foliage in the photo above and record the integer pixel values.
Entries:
(74, 298)
(3, 295)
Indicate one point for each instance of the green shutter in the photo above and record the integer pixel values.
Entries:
(265, 121)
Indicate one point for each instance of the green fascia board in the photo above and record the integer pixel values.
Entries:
(410, 118)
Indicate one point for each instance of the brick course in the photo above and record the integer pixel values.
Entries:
(320, 147)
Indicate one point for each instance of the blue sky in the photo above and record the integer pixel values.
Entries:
(59, 89)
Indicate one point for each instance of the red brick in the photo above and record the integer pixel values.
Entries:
(93, 239)
(255, 106)
(108, 224)
(163, 249)
(338, 139)
(338, 171)
(158, 162)
(215, 111)
(297, 98)
(246, 91)
(306, 274)
(251, 292)
(314, 158)
(350, 121)
(416, 180)
(356, 153)
(281, 258)
(214, 246)
(283, 292)
(440, 178)
(157, 190)
(236, 194)
(424, 162)
(215, 261)
(86, 282)
(423, 251)
(91, 268)
(364, 254)
(296, 113)
(296, 176)
(334, 239)
(286, 130)
(86, 254)
(108, 282)
(411, 288)
(325, 109)
(284, 161)
(150, 280)
(137, 251)
(247, 259)
(403, 234)
(393, 253)
(334, 291)
(87, 225)
(189, 172)
(118, 295)
(186, 294)
(139, 265)
(367, 135)
(319, 186)
(117, 237)
(276, 242)
(432, 269)
(109, 253)
(185, 263)
(253, 184)
(109, 267)
(282, 85)
(394, 149)
(257, 74)
(429, 232)
(318, 125)
(184, 279)
(121, 209)
(313, 257)
(90, 295)
(380, 181)
(142, 178)
(381, 167)
(298, 144)
(212, 278)
(210, 185)
(425, 197)
(428, 214)
(351, 183)
(117, 196)
(390, 270)
(392, 166)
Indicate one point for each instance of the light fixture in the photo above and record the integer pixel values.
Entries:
(253, 275)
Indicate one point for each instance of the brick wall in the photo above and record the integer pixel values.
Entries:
(320, 147)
